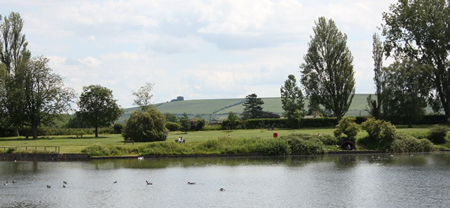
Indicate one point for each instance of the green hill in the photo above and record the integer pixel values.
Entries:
(218, 109)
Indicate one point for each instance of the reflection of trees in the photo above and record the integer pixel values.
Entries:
(12, 168)
(346, 161)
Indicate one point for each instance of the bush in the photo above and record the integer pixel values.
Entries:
(172, 126)
(348, 127)
(100, 150)
(407, 143)
(380, 132)
(145, 126)
(117, 128)
(303, 144)
(197, 124)
(437, 134)
(328, 139)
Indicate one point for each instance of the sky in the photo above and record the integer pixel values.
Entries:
(198, 49)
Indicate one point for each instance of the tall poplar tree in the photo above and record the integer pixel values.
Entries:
(327, 73)
(379, 78)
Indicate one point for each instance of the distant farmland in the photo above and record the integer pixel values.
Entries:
(219, 108)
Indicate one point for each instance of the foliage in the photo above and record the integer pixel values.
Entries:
(420, 29)
(172, 126)
(301, 144)
(144, 96)
(101, 150)
(374, 106)
(327, 73)
(44, 93)
(185, 123)
(348, 127)
(231, 122)
(146, 126)
(197, 124)
(381, 133)
(171, 118)
(97, 107)
(407, 143)
(117, 128)
(267, 114)
(252, 107)
(291, 97)
(76, 122)
(437, 134)
(405, 93)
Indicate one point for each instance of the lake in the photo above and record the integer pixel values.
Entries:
(381, 180)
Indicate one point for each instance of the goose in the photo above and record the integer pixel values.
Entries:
(222, 189)
(149, 183)
(49, 186)
(13, 181)
(64, 186)
(140, 158)
(64, 182)
(191, 183)
(115, 182)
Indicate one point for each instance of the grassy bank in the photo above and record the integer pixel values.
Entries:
(193, 145)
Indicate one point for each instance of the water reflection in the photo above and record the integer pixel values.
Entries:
(303, 181)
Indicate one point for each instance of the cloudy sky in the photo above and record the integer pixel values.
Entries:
(200, 49)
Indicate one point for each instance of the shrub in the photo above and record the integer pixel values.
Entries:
(328, 139)
(117, 128)
(380, 132)
(146, 126)
(172, 126)
(407, 143)
(348, 127)
(437, 134)
(197, 124)
(100, 150)
(303, 144)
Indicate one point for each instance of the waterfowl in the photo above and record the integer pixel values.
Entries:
(191, 183)
(115, 182)
(13, 181)
(149, 183)
(64, 186)
(64, 182)
(140, 158)
(49, 186)
(222, 189)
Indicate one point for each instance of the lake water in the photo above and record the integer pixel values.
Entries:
(421, 180)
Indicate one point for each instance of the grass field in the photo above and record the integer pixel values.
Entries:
(76, 145)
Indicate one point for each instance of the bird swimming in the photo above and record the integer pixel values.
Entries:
(149, 183)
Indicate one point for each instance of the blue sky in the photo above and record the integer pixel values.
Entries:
(200, 49)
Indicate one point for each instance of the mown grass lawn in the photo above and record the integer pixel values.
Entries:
(71, 144)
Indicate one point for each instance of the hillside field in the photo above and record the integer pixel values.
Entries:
(218, 109)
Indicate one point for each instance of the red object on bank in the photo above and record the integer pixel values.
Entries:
(275, 134)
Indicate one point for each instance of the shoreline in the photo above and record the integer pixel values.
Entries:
(85, 157)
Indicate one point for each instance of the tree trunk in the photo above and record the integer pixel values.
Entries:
(16, 132)
(96, 131)
(34, 130)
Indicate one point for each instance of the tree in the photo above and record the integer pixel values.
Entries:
(232, 121)
(291, 97)
(405, 93)
(185, 123)
(144, 96)
(420, 29)
(171, 118)
(98, 107)
(13, 54)
(379, 78)
(252, 106)
(45, 95)
(327, 73)
(13, 46)
(146, 126)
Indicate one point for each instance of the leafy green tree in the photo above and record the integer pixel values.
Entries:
(171, 118)
(420, 29)
(13, 54)
(379, 78)
(144, 96)
(98, 107)
(252, 106)
(291, 97)
(185, 123)
(45, 95)
(232, 120)
(327, 73)
(405, 93)
(146, 126)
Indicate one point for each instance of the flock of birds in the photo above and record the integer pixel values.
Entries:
(65, 183)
